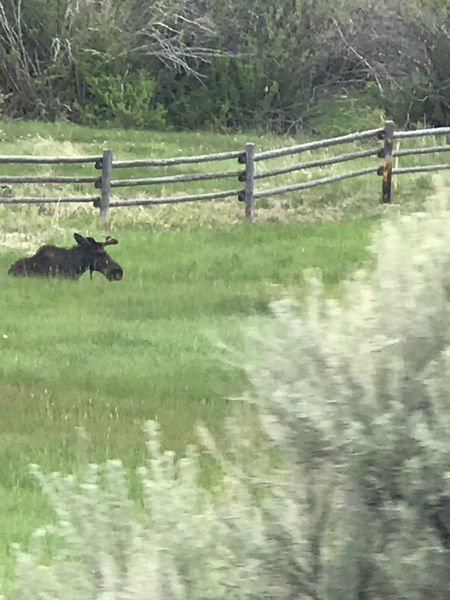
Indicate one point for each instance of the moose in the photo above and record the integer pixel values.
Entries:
(70, 262)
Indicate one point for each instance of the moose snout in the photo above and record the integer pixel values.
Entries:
(115, 274)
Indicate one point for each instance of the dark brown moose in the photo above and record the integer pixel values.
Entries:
(70, 262)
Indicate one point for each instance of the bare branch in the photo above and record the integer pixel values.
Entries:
(361, 58)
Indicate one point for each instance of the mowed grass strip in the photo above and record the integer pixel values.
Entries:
(106, 356)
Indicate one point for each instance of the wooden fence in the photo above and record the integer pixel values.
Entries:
(246, 175)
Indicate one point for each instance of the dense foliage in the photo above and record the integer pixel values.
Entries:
(218, 64)
(352, 501)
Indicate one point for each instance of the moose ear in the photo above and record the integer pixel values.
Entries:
(80, 239)
(110, 241)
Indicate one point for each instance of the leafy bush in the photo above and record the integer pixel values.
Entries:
(417, 98)
(234, 93)
(128, 102)
(355, 395)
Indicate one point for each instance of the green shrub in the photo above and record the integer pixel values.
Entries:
(414, 98)
(355, 396)
(127, 102)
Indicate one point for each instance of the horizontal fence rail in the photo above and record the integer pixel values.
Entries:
(342, 139)
(165, 162)
(317, 163)
(175, 199)
(49, 160)
(246, 176)
(48, 200)
(46, 179)
(172, 178)
(422, 169)
(430, 149)
(309, 184)
(422, 132)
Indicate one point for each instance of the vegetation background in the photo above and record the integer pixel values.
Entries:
(322, 470)
(206, 64)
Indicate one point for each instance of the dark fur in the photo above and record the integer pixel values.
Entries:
(70, 262)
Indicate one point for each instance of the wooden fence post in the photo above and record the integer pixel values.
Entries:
(106, 187)
(249, 179)
(387, 164)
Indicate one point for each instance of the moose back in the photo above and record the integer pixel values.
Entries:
(70, 262)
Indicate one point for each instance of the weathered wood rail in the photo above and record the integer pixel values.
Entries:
(247, 175)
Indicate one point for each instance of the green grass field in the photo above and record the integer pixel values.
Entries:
(105, 357)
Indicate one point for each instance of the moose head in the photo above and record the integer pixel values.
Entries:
(71, 262)
(96, 257)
